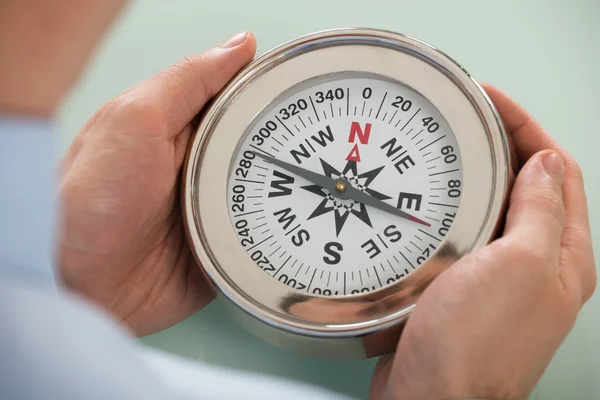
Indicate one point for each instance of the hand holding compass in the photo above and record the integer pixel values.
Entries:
(252, 228)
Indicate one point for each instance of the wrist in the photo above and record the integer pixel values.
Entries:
(448, 388)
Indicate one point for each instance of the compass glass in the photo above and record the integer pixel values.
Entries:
(344, 184)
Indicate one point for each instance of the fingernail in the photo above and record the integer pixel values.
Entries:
(235, 40)
(554, 166)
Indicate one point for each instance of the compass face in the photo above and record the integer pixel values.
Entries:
(344, 184)
(333, 179)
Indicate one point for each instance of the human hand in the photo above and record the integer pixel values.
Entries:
(123, 245)
(45, 46)
(489, 325)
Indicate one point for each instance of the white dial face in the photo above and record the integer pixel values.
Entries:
(344, 185)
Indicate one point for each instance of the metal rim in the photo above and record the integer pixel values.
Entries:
(470, 114)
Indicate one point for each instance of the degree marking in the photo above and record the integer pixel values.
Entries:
(436, 140)
(278, 142)
(261, 242)
(348, 101)
(285, 262)
(381, 105)
(391, 119)
(418, 133)
(444, 172)
(411, 118)
(409, 263)
(282, 124)
(300, 118)
(376, 273)
(276, 250)
(249, 181)
(413, 243)
(443, 205)
(430, 235)
(433, 159)
(314, 109)
(261, 150)
(249, 213)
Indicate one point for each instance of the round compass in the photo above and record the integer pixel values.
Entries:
(334, 178)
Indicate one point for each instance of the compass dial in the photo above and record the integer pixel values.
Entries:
(344, 184)
(334, 179)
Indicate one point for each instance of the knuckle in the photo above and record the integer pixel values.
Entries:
(589, 279)
(189, 64)
(576, 171)
(578, 255)
(550, 202)
(198, 66)
(139, 108)
(590, 283)
(530, 255)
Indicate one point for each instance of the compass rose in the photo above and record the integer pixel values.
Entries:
(342, 208)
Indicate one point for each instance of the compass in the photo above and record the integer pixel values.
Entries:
(333, 179)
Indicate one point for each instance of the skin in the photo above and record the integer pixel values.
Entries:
(55, 40)
(488, 326)
(122, 244)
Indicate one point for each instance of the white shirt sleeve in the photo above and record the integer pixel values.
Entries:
(28, 158)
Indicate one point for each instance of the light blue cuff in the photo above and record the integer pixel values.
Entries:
(28, 164)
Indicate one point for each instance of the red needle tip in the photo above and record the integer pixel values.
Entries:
(420, 221)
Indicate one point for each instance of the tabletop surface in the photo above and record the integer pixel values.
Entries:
(545, 54)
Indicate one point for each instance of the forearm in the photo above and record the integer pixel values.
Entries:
(43, 47)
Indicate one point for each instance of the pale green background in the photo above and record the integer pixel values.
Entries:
(545, 54)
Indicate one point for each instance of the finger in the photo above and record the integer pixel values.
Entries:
(381, 374)
(182, 90)
(529, 138)
(536, 215)
(526, 134)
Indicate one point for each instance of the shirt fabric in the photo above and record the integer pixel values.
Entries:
(54, 345)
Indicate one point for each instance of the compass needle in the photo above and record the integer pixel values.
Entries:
(349, 191)
(323, 189)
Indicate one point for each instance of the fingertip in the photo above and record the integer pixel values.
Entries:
(381, 374)
(489, 88)
(554, 165)
(536, 210)
(498, 97)
(243, 43)
(251, 41)
(234, 41)
(542, 165)
(249, 46)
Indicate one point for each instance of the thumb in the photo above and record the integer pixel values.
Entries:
(536, 215)
(180, 91)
